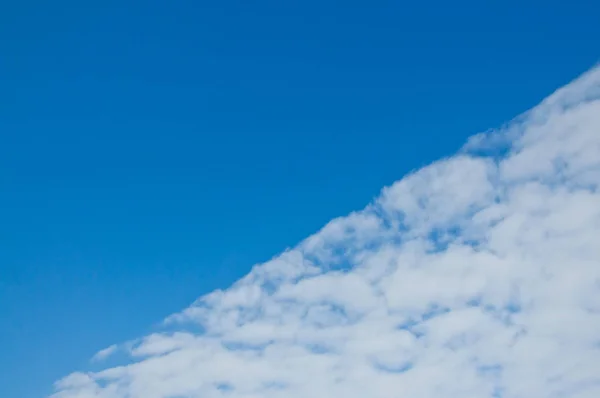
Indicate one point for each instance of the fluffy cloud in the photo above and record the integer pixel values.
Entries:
(476, 276)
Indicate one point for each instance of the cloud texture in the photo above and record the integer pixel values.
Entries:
(476, 276)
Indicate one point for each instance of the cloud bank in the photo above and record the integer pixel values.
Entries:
(476, 276)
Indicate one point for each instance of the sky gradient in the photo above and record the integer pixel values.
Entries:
(152, 153)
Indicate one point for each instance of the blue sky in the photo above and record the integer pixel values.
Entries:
(151, 152)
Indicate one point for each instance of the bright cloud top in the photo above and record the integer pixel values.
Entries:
(476, 276)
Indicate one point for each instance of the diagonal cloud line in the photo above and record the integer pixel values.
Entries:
(477, 275)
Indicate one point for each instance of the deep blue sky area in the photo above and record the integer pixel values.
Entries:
(151, 152)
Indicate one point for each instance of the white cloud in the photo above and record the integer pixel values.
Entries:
(105, 353)
(476, 276)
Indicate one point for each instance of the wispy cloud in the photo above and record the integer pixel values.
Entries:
(476, 276)
(105, 353)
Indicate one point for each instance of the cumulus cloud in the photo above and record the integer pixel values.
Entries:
(476, 276)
